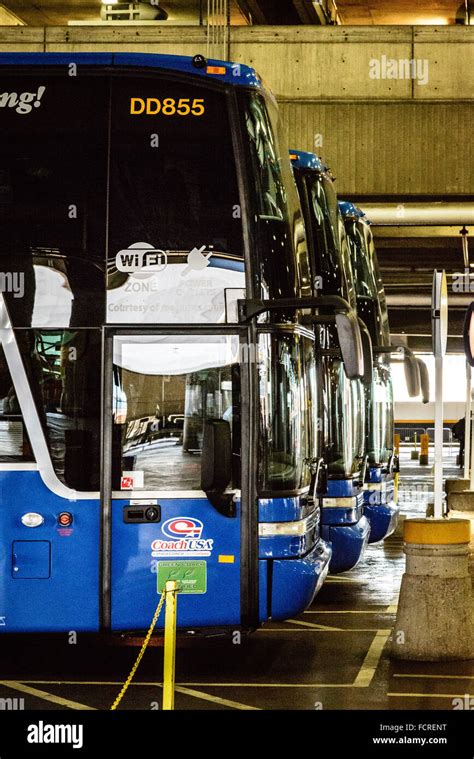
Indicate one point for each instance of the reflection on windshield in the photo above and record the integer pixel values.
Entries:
(346, 420)
(288, 411)
(64, 369)
(380, 412)
(165, 389)
(331, 257)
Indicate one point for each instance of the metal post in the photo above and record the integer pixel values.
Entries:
(170, 646)
(438, 468)
(467, 425)
(471, 486)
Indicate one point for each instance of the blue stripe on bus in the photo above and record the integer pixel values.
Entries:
(280, 509)
(235, 73)
(303, 160)
(375, 474)
(341, 488)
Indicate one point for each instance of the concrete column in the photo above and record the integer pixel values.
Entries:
(461, 506)
(434, 617)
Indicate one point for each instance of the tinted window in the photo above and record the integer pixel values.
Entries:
(330, 253)
(345, 420)
(63, 368)
(367, 279)
(14, 443)
(380, 414)
(173, 190)
(280, 229)
(53, 159)
(288, 409)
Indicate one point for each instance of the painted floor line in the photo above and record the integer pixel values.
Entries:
(383, 610)
(20, 686)
(427, 695)
(372, 658)
(438, 677)
(215, 699)
(312, 625)
(271, 685)
(196, 685)
(318, 629)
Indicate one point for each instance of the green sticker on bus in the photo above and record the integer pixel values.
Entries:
(191, 576)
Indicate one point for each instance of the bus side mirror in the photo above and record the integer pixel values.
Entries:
(424, 381)
(216, 465)
(468, 335)
(367, 352)
(411, 365)
(412, 374)
(350, 341)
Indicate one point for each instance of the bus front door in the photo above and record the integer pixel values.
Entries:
(173, 503)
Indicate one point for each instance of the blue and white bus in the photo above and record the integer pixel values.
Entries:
(159, 386)
(381, 507)
(342, 401)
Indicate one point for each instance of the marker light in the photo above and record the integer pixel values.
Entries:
(215, 70)
(65, 519)
(32, 519)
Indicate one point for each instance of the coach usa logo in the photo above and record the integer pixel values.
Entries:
(182, 527)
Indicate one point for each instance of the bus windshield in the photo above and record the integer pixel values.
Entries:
(368, 281)
(287, 411)
(346, 430)
(331, 256)
(281, 239)
(380, 410)
(175, 221)
(147, 209)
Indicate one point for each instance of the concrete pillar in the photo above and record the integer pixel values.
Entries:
(456, 485)
(461, 506)
(434, 617)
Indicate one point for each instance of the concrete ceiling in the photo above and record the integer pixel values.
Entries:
(398, 11)
(59, 12)
(407, 258)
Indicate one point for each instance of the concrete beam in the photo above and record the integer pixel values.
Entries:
(381, 137)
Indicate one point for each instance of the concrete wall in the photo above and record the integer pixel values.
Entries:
(381, 136)
(413, 411)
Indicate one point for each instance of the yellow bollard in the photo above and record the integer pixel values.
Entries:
(424, 449)
(396, 444)
(170, 645)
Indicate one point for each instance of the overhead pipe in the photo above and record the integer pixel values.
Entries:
(420, 214)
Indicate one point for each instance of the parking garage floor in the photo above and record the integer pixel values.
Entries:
(334, 656)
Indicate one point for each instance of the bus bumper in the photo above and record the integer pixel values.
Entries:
(383, 520)
(348, 543)
(295, 582)
(380, 505)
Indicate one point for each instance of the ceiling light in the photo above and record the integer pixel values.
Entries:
(435, 21)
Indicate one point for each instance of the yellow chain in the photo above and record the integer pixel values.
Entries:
(140, 655)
